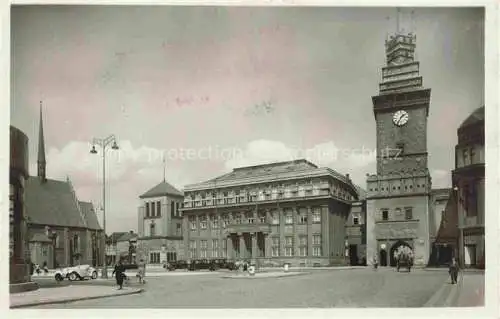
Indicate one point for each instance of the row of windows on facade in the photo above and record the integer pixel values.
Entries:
(273, 192)
(249, 218)
(397, 187)
(408, 213)
(154, 257)
(152, 230)
(289, 246)
(153, 209)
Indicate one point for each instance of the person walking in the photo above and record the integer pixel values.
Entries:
(141, 271)
(119, 273)
(453, 271)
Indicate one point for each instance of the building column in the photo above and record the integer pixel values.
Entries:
(267, 246)
(242, 245)
(295, 233)
(254, 245)
(229, 247)
(309, 232)
(282, 232)
(325, 231)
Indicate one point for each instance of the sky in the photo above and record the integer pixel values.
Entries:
(214, 88)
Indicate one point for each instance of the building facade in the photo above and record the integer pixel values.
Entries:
(19, 274)
(288, 212)
(356, 232)
(62, 230)
(160, 225)
(469, 184)
(399, 207)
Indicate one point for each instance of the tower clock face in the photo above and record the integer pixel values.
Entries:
(400, 118)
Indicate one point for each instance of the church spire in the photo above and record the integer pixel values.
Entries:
(41, 149)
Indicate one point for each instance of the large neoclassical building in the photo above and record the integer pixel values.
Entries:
(289, 212)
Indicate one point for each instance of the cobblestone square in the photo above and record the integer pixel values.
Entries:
(317, 289)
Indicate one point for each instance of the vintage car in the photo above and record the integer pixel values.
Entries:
(222, 264)
(173, 265)
(79, 272)
(198, 264)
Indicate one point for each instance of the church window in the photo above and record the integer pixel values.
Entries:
(147, 209)
(158, 208)
(172, 208)
(465, 157)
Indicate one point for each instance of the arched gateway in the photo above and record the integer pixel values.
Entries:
(394, 248)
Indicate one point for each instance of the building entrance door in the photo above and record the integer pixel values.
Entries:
(353, 255)
(383, 258)
(470, 255)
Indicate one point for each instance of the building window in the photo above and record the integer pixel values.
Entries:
(473, 158)
(302, 218)
(171, 256)
(262, 218)
(288, 218)
(214, 220)
(215, 248)
(275, 218)
(289, 241)
(471, 194)
(76, 242)
(154, 258)
(385, 214)
(192, 222)
(152, 207)
(158, 208)
(147, 210)
(465, 155)
(203, 222)
(316, 216)
(303, 251)
(192, 249)
(178, 230)
(44, 250)
(224, 248)
(152, 230)
(237, 218)
(408, 213)
(288, 251)
(317, 239)
(288, 246)
(275, 246)
(172, 209)
(203, 248)
(316, 251)
(225, 220)
(177, 212)
(355, 220)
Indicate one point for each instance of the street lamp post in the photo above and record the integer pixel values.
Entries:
(53, 237)
(104, 143)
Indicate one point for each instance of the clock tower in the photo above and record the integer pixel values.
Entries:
(398, 196)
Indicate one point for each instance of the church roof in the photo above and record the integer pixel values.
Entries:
(127, 237)
(115, 236)
(162, 189)
(90, 216)
(52, 203)
(475, 117)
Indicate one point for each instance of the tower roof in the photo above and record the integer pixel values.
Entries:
(162, 189)
(41, 148)
(475, 117)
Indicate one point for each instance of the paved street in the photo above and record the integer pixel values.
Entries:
(325, 288)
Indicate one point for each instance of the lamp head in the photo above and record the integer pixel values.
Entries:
(93, 150)
(115, 146)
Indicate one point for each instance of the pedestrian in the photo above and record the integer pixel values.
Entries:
(45, 267)
(141, 271)
(119, 273)
(453, 271)
(375, 262)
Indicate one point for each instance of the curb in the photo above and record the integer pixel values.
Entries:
(265, 277)
(446, 295)
(51, 302)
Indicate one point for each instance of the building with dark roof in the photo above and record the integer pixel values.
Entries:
(62, 230)
(288, 212)
(469, 184)
(160, 224)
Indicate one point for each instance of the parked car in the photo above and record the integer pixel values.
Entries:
(79, 272)
(216, 264)
(199, 264)
(173, 265)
